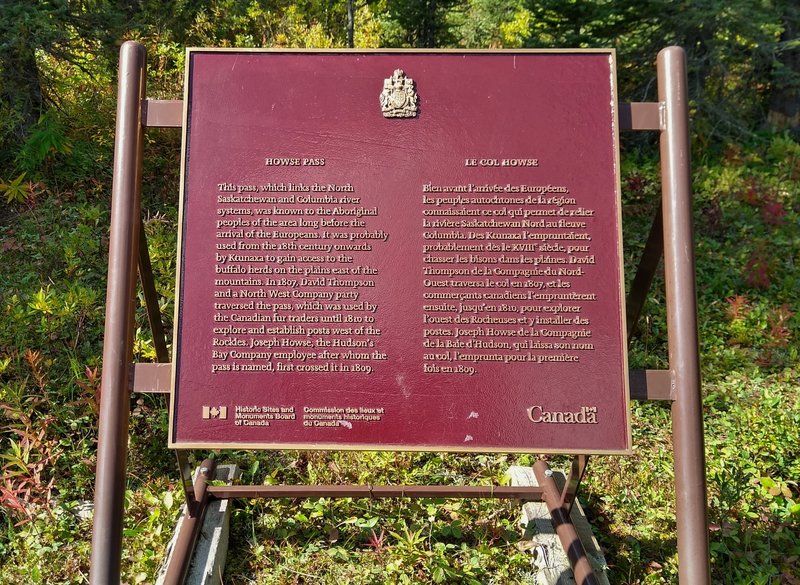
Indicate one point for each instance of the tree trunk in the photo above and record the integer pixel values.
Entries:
(350, 23)
(20, 88)
(784, 107)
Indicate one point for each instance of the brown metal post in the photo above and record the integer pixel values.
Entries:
(119, 330)
(687, 413)
(573, 547)
(185, 470)
(225, 492)
(151, 299)
(646, 271)
(178, 566)
(573, 482)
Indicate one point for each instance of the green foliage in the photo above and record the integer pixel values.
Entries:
(419, 23)
(754, 511)
(362, 541)
(488, 23)
(46, 139)
(14, 190)
(732, 50)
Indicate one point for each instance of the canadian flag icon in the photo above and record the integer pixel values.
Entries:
(215, 412)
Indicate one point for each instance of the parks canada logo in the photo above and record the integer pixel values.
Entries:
(587, 415)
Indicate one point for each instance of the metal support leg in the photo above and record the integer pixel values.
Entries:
(573, 483)
(112, 439)
(684, 361)
(192, 524)
(648, 264)
(151, 299)
(185, 470)
(584, 575)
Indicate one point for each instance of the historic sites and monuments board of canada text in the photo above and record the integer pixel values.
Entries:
(400, 250)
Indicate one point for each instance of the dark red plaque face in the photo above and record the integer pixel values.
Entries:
(401, 250)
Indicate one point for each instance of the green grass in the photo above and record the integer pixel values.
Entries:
(53, 242)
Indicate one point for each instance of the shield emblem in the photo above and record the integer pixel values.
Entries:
(398, 98)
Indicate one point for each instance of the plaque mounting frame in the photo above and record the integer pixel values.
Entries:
(671, 235)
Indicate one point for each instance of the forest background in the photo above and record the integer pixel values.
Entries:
(57, 101)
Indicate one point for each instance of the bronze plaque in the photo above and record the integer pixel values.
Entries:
(400, 251)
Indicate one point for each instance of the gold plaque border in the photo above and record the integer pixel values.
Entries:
(389, 447)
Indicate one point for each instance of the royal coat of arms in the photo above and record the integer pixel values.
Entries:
(398, 98)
